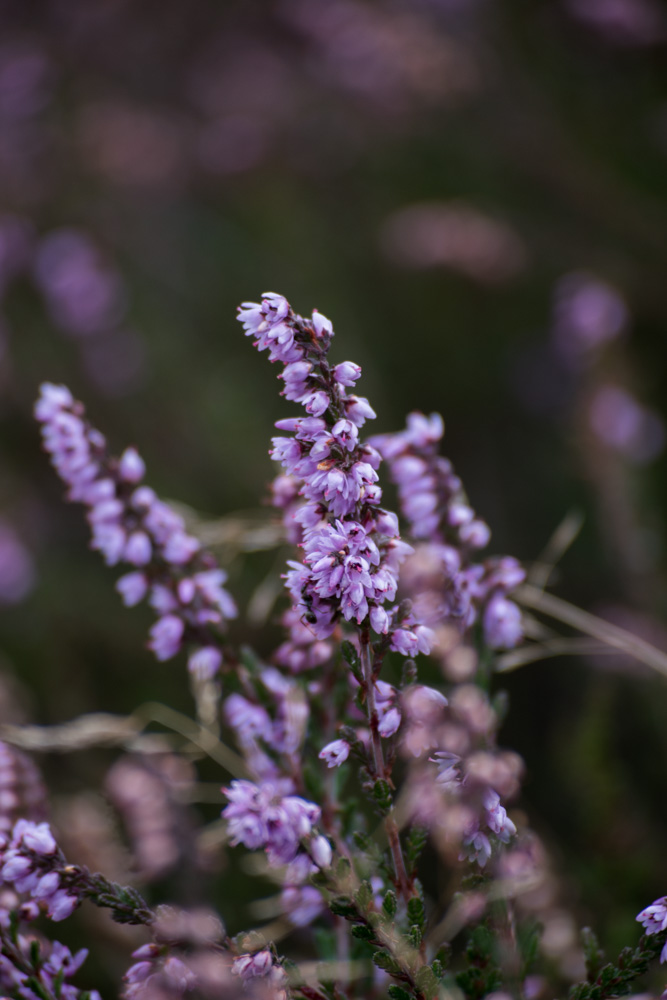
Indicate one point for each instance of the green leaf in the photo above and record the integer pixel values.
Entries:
(415, 936)
(343, 869)
(342, 906)
(364, 895)
(416, 914)
(409, 673)
(385, 961)
(382, 794)
(593, 955)
(443, 956)
(34, 954)
(414, 845)
(361, 840)
(395, 992)
(426, 982)
(390, 903)
(362, 932)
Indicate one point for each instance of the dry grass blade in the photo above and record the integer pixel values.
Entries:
(561, 540)
(611, 635)
(545, 650)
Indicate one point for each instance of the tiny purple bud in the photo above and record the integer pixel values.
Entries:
(131, 466)
(320, 851)
(132, 588)
(321, 324)
(166, 635)
(138, 550)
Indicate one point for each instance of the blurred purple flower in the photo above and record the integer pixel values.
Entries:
(588, 313)
(84, 295)
(620, 422)
(17, 575)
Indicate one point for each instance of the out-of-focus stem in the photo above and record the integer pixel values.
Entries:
(402, 880)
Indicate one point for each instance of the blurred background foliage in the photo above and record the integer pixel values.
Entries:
(474, 191)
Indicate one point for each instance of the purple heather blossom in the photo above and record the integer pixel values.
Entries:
(166, 636)
(29, 862)
(352, 552)
(157, 974)
(588, 314)
(302, 904)
(433, 502)
(335, 753)
(390, 723)
(654, 920)
(266, 815)
(132, 587)
(497, 819)
(52, 970)
(502, 623)
(129, 523)
(261, 965)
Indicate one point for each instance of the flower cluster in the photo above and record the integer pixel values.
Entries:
(30, 863)
(26, 968)
(352, 548)
(434, 504)
(490, 818)
(267, 815)
(130, 524)
(261, 969)
(459, 775)
(654, 920)
(257, 730)
(157, 975)
(149, 792)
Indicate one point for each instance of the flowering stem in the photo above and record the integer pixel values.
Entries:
(402, 880)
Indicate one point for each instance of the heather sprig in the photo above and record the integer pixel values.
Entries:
(428, 762)
(32, 969)
(352, 548)
(32, 864)
(461, 589)
(130, 524)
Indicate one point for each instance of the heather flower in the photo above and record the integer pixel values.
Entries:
(502, 623)
(389, 723)
(654, 920)
(129, 523)
(30, 861)
(266, 815)
(157, 974)
(261, 969)
(335, 753)
(302, 904)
